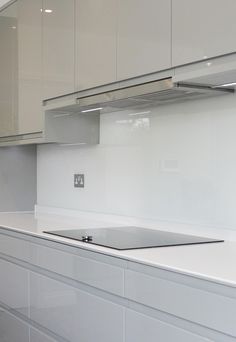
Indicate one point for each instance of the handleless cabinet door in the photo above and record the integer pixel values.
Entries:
(144, 37)
(202, 29)
(14, 288)
(96, 29)
(36, 336)
(14, 247)
(87, 268)
(139, 326)
(30, 118)
(74, 314)
(58, 47)
(8, 71)
(12, 329)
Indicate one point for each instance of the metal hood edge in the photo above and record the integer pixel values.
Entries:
(152, 93)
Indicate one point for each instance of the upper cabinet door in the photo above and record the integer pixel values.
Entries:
(144, 37)
(96, 32)
(202, 29)
(58, 47)
(20, 68)
(30, 117)
(8, 71)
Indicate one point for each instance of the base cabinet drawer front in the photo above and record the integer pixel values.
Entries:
(142, 328)
(212, 310)
(89, 271)
(14, 287)
(74, 314)
(36, 336)
(12, 329)
(14, 247)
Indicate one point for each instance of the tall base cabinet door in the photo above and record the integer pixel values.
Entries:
(58, 47)
(12, 329)
(74, 314)
(144, 37)
(202, 29)
(96, 30)
(30, 117)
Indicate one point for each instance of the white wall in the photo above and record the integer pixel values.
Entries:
(18, 178)
(177, 162)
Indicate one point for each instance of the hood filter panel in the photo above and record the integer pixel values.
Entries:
(143, 95)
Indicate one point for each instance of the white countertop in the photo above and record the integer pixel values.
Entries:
(214, 262)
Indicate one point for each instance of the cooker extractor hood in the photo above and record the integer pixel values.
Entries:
(75, 118)
(146, 94)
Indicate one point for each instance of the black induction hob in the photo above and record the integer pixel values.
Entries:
(125, 238)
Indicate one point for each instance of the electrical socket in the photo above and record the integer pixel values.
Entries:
(78, 180)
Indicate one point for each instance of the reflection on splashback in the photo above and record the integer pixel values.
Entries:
(175, 162)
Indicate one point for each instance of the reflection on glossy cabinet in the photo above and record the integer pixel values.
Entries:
(71, 313)
(36, 336)
(14, 287)
(12, 329)
(96, 22)
(144, 37)
(58, 47)
(202, 29)
(138, 324)
(30, 115)
(8, 71)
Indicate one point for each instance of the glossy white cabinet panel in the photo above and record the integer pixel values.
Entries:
(3, 2)
(92, 272)
(14, 247)
(213, 310)
(36, 336)
(74, 314)
(96, 42)
(202, 29)
(144, 37)
(20, 67)
(58, 47)
(14, 287)
(8, 71)
(142, 328)
(30, 66)
(12, 329)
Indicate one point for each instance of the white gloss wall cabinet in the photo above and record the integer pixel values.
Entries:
(202, 29)
(58, 47)
(3, 2)
(30, 114)
(96, 29)
(20, 65)
(121, 39)
(144, 37)
(8, 71)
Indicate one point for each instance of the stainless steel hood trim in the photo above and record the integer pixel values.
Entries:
(149, 93)
(126, 93)
(155, 87)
